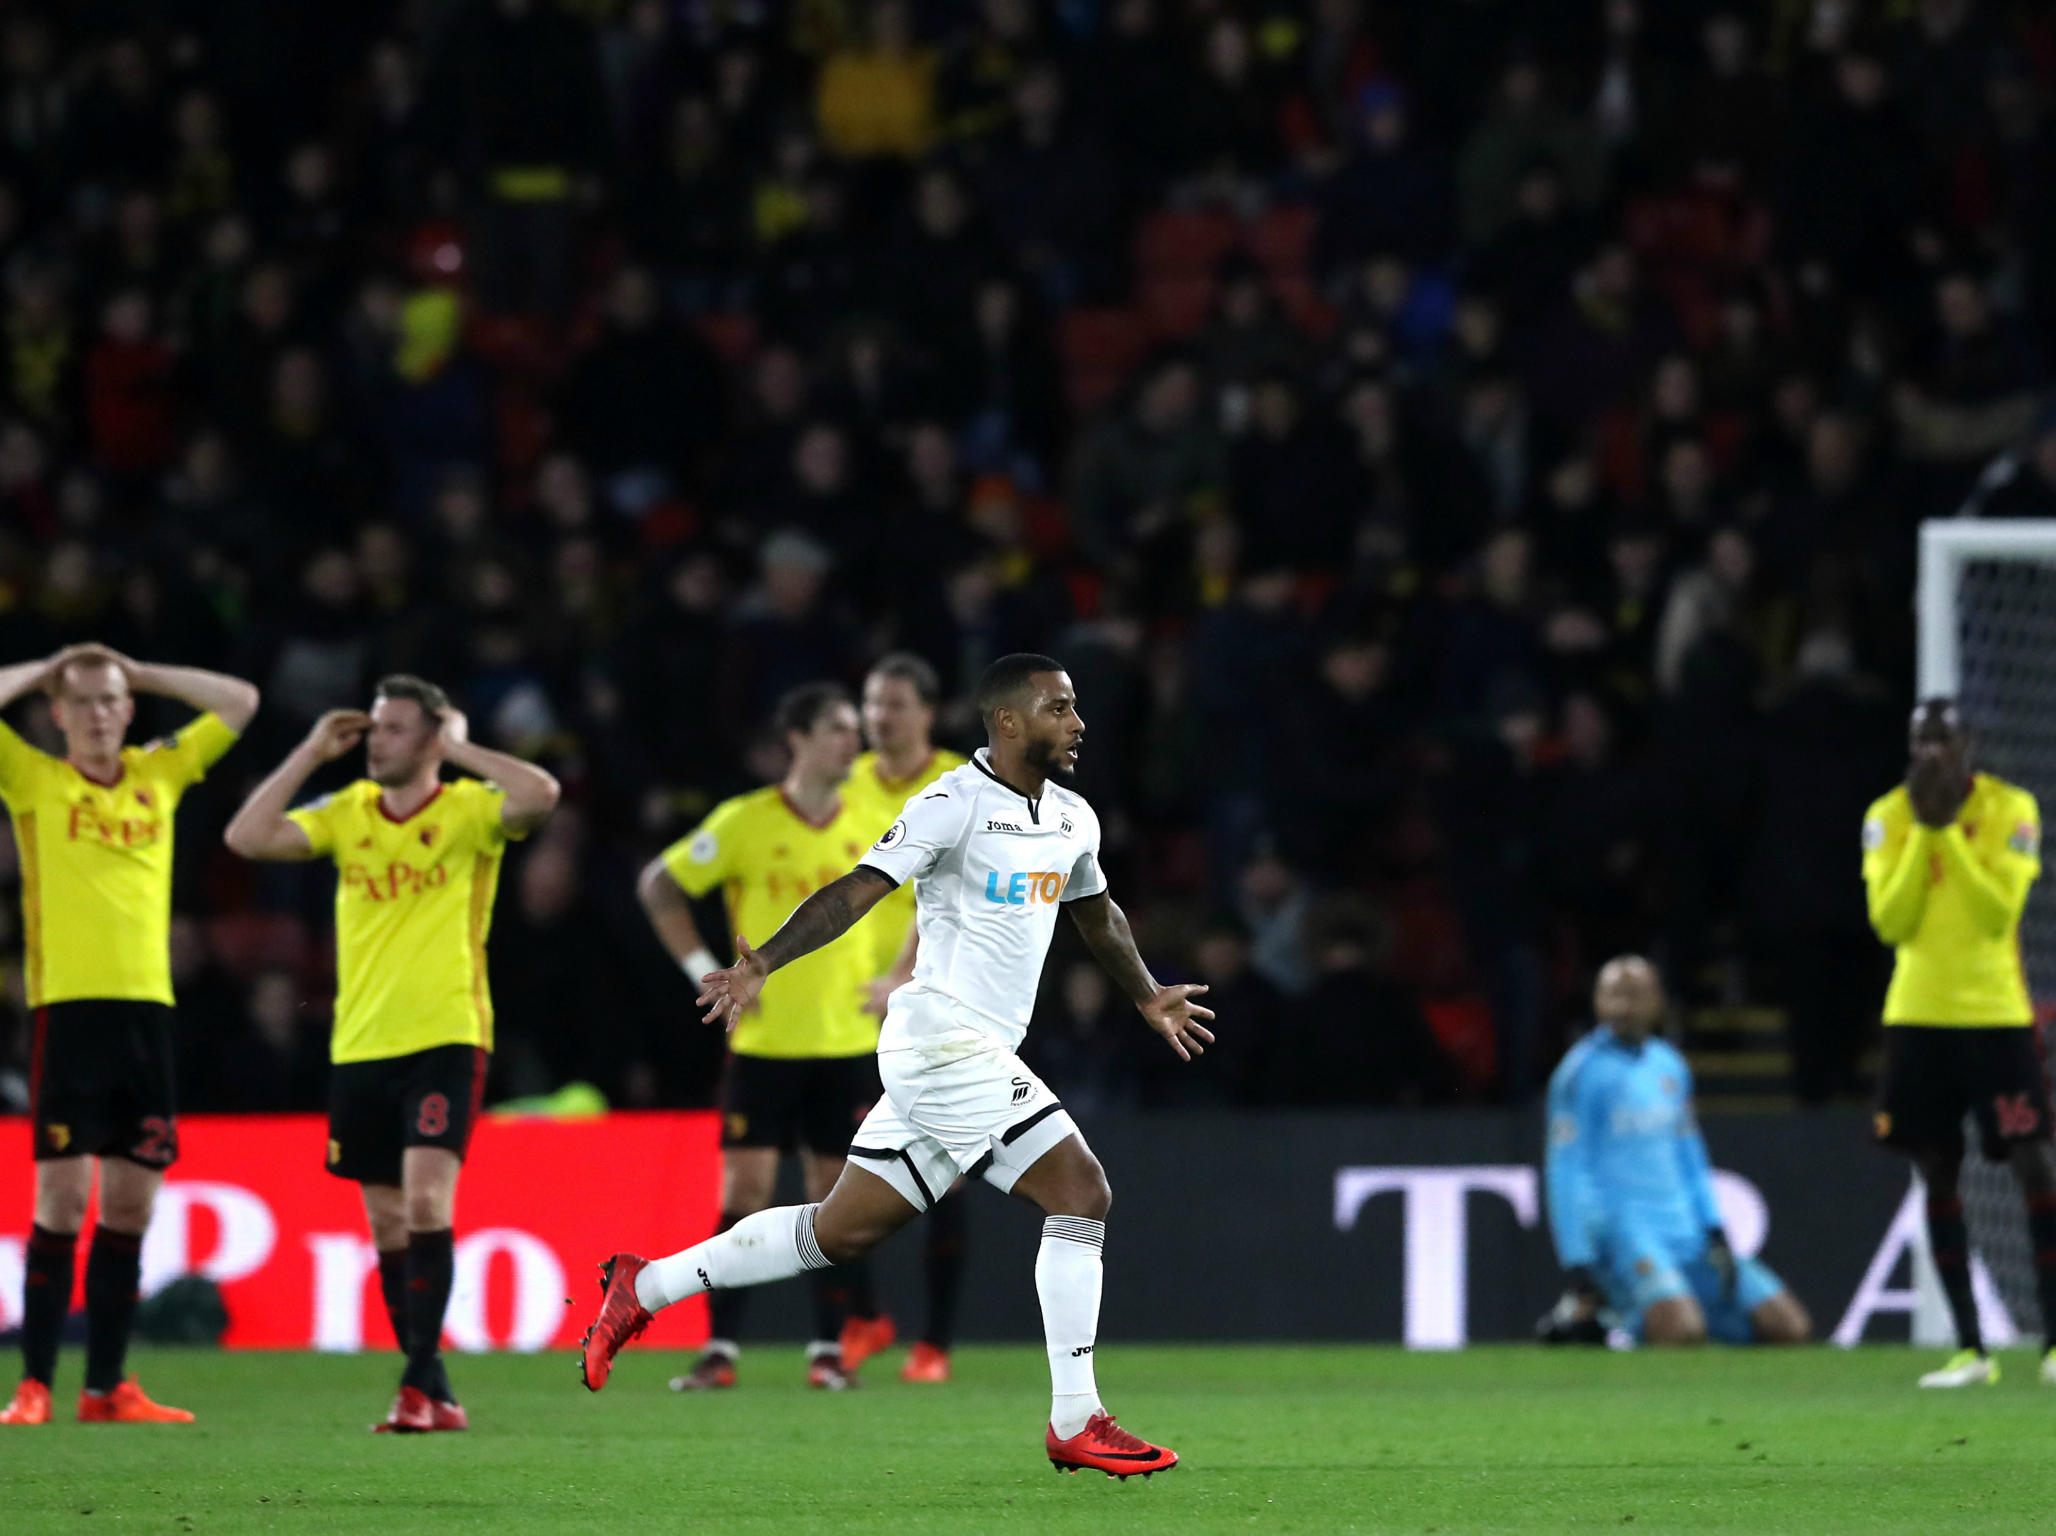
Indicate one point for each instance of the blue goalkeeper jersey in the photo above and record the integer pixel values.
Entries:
(1625, 1162)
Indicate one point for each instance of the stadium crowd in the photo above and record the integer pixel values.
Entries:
(1468, 453)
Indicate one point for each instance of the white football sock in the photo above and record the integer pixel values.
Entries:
(770, 1245)
(1067, 1278)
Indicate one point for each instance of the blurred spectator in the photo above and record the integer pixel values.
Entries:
(1357, 1037)
(1085, 1044)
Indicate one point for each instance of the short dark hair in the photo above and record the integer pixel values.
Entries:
(1005, 678)
(404, 685)
(801, 708)
(912, 670)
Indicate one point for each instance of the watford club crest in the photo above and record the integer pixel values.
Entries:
(145, 799)
(428, 837)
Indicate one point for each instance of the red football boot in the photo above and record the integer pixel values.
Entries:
(1104, 1444)
(127, 1405)
(411, 1414)
(863, 1337)
(442, 1416)
(621, 1319)
(31, 1404)
(827, 1372)
(926, 1363)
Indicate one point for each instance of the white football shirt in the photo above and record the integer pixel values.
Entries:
(990, 867)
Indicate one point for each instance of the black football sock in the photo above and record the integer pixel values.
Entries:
(1950, 1241)
(725, 1309)
(2041, 1231)
(45, 1300)
(392, 1285)
(863, 1299)
(943, 1264)
(114, 1269)
(430, 1259)
(831, 1290)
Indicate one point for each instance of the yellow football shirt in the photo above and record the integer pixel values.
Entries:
(768, 858)
(96, 863)
(879, 800)
(414, 902)
(1949, 902)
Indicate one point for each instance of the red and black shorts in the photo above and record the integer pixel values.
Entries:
(101, 1081)
(378, 1109)
(786, 1103)
(1933, 1075)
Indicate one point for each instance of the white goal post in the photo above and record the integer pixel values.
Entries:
(1986, 637)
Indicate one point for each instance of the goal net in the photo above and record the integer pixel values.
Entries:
(1987, 636)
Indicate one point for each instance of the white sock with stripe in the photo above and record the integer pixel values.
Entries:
(771, 1245)
(1067, 1278)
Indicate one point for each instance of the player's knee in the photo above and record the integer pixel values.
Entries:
(60, 1208)
(843, 1238)
(429, 1210)
(1084, 1192)
(1782, 1320)
(1677, 1321)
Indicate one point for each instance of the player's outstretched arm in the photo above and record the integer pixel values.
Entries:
(1170, 1011)
(821, 919)
(531, 791)
(261, 830)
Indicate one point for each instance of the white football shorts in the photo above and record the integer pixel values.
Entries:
(949, 1109)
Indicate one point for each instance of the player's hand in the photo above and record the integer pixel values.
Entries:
(89, 651)
(727, 995)
(1171, 1013)
(336, 732)
(456, 727)
(878, 995)
(1722, 1258)
(1936, 794)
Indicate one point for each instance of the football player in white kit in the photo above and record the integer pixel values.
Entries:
(993, 849)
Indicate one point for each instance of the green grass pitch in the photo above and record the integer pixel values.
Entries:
(1274, 1439)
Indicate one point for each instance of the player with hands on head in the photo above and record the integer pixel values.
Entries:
(417, 863)
(1949, 857)
(1631, 1200)
(993, 849)
(94, 833)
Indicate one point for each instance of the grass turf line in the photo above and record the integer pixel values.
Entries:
(1335, 1439)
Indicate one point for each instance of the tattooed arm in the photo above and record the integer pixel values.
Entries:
(1169, 1011)
(821, 919)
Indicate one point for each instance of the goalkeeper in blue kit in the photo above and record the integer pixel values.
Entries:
(1631, 1201)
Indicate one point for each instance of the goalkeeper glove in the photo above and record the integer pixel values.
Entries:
(1722, 1258)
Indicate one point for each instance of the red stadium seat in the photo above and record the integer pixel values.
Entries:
(733, 336)
(1282, 240)
(1178, 304)
(1111, 339)
(1183, 240)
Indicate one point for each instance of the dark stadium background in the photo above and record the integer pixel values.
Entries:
(1468, 453)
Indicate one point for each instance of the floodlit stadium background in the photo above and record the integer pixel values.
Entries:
(1469, 456)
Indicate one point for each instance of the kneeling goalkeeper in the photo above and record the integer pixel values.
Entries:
(1631, 1200)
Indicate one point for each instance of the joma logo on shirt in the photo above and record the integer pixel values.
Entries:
(89, 826)
(1025, 888)
(394, 881)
